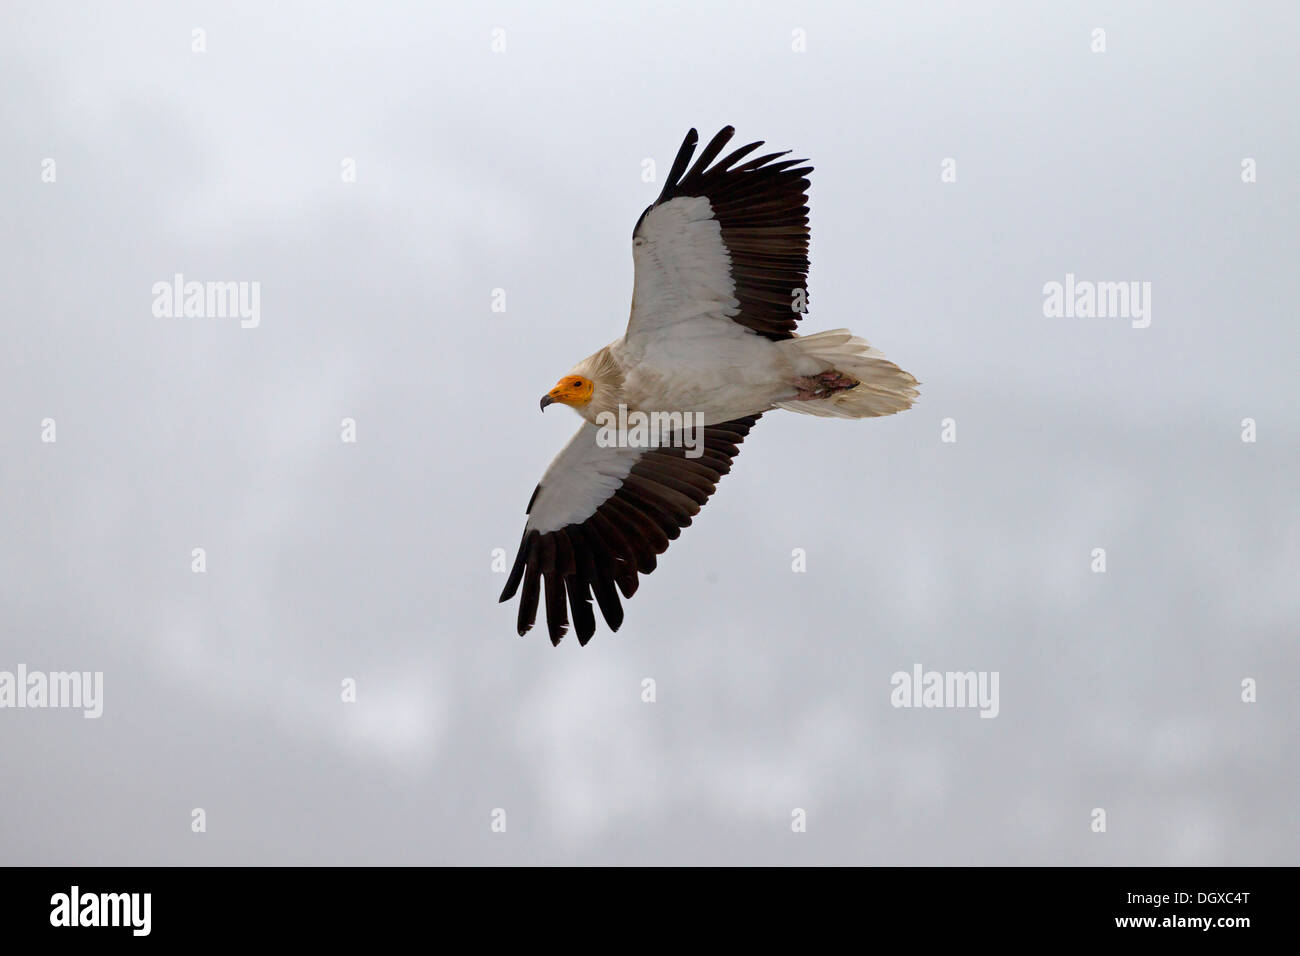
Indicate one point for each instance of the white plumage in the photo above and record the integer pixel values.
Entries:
(720, 285)
(582, 476)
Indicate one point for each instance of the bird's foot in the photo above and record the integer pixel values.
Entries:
(822, 385)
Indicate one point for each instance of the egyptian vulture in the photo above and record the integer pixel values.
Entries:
(721, 260)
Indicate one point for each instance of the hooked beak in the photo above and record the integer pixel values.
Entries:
(547, 400)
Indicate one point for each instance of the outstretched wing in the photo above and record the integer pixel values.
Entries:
(601, 515)
(725, 242)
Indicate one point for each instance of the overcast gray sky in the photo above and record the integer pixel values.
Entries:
(521, 170)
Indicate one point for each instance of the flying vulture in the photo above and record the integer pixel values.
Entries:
(721, 263)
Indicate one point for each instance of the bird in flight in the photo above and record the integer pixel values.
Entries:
(721, 261)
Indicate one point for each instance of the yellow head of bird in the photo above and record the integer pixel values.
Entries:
(573, 390)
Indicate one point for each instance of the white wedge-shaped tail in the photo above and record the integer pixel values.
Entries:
(883, 388)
